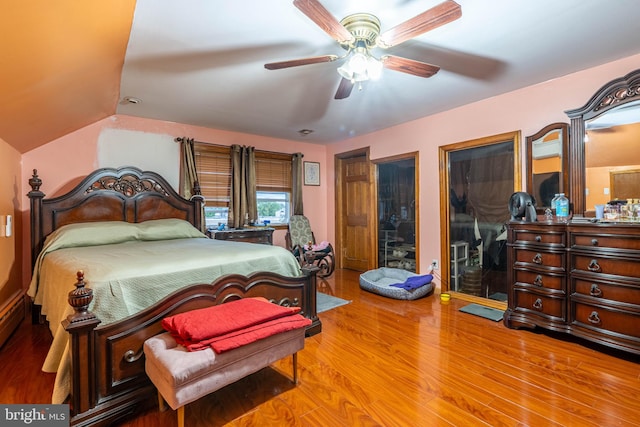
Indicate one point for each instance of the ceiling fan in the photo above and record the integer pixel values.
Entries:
(360, 33)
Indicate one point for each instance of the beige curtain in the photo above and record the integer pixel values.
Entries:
(243, 206)
(190, 186)
(296, 183)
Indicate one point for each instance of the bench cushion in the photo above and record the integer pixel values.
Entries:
(182, 376)
(379, 281)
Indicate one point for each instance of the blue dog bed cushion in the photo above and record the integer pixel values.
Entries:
(379, 281)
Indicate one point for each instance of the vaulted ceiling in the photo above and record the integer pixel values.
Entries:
(60, 66)
(69, 63)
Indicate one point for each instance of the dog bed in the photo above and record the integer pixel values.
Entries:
(379, 281)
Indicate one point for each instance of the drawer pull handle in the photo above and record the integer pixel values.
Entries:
(595, 290)
(594, 318)
(537, 304)
(594, 266)
(538, 239)
(594, 242)
(131, 356)
(538, 280)
(537, 259)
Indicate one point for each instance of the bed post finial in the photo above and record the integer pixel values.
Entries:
(35, 182)
(197, 191)
(79, 299)
(35, 204)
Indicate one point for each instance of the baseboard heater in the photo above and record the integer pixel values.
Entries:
(10, 317)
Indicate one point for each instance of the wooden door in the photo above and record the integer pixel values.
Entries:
(625, 184)
(355, 213)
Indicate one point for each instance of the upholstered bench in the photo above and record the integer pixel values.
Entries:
(379, 281)
(182, 377)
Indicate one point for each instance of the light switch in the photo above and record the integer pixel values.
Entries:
(606, 190)
(8, 226)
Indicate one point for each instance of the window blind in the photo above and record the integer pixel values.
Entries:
(214, 173)
(213, 162)
(273, 172)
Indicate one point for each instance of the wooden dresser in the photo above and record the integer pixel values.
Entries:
(579, 278)
(263, 235)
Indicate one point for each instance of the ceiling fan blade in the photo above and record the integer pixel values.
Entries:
(324, 19)
(298, 62)
(455, 61)
(409, 66)
(344, 90)
(433, 18)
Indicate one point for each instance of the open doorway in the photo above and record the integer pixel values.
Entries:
(477, 179)
(397, 189)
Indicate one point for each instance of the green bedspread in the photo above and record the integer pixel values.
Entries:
(132, 266)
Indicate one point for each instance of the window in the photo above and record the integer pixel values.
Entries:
(274, 207)
(214, 174)
(273, 187)
(273, 184)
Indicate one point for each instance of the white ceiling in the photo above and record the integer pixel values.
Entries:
(201, 62)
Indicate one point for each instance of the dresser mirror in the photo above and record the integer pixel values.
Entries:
(548, 163)
(603, 148)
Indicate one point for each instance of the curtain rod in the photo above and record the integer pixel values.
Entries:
(182, 138)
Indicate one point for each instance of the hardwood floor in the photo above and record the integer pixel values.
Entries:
(384, 362)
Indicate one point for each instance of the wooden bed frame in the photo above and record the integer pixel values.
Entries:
(107, 362)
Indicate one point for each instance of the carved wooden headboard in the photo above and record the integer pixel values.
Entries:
(108, 194)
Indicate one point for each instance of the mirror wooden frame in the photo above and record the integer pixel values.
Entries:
(564, 127)
(615, 93)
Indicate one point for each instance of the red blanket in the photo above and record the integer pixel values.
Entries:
(232, 324)
(254, 333)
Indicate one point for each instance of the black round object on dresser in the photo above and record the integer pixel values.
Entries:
(522, 206)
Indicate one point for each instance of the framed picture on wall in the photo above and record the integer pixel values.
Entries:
(311, 173)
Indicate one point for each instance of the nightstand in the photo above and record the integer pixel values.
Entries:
(262, 235)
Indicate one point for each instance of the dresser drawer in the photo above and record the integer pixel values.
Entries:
(540, 258)
(544, 306)
(541, 280)
(609, 265)
(625, 293)
(596, 240)
(250, 235)
(606, 320)
(582, 278)
(556, 238)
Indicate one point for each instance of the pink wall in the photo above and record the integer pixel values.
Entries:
(10, 254)
(527, 110)
(63, 162)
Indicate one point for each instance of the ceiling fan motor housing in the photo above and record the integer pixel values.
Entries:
(364, 27)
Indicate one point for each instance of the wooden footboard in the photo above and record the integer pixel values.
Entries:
(109, 380)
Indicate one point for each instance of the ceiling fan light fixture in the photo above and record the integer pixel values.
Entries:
(360, 66)
(345, 71)
(358, 63)
(374, 68)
